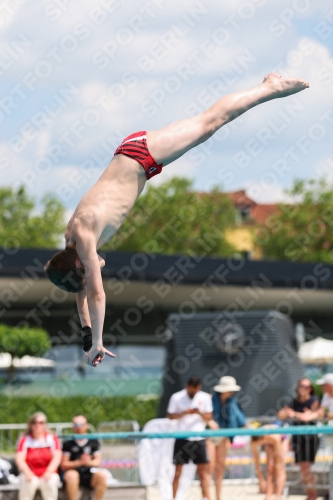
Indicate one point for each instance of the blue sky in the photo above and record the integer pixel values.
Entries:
(77, 77)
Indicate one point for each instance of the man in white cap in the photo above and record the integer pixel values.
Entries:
(193, 409)
(326, 383)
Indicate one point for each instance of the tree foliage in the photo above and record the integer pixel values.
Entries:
(22, 227)
(96, 408)
(23, 341)
(301, 231)
(172, 218)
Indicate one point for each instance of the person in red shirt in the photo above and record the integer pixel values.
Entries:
(38, 456)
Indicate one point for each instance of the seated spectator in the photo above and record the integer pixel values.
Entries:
(303, 409)
(78, 457)
(38, 456)
(227, 414)
(326, 383)
(276, 448)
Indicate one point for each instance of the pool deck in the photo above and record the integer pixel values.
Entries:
(242, 492)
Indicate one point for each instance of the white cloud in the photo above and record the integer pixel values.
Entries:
(76, 35)
(267, 194)
(324, 169)
(182, 168)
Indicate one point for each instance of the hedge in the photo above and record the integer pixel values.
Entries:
(19, 409)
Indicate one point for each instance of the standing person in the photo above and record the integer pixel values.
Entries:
(304, 409)
(38, 456)
(276, 447)
(227, 414)
(105, 206)
(193, 409)
(326, 404)
(79, 456)
(326, 383)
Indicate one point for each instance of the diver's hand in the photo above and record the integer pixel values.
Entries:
(96, 355)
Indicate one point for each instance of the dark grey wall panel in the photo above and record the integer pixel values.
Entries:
(257, 348)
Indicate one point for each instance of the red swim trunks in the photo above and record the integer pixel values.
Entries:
(135, 146)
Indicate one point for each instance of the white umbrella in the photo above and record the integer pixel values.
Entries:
(317, 352)
(25, 362)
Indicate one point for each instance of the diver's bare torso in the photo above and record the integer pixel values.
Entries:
(103, 209)
(105, 206)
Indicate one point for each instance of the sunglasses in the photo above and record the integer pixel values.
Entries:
(79, 425)
(303, 386)
(38, 422)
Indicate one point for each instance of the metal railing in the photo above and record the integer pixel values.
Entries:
(9, 433)
(239, 464)
(120, 456)
(293, 430)
(120, 442)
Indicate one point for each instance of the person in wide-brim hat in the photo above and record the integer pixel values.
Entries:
(227, 413)
(227, 384)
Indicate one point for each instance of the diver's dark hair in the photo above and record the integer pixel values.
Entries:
(63, 272)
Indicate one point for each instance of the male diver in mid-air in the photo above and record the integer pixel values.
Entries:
(103, 209)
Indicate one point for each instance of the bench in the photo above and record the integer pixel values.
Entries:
(322, 476)
(124, 491)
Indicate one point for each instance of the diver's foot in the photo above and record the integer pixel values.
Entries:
(282, 87)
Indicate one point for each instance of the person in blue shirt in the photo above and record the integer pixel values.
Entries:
(227, 414)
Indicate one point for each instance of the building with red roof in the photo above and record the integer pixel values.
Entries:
(250, 215)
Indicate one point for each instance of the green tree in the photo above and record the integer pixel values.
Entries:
(301, 231)
(21, 226)
(19, 342)
(172, 218)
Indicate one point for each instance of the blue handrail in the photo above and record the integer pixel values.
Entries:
(243, 431)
